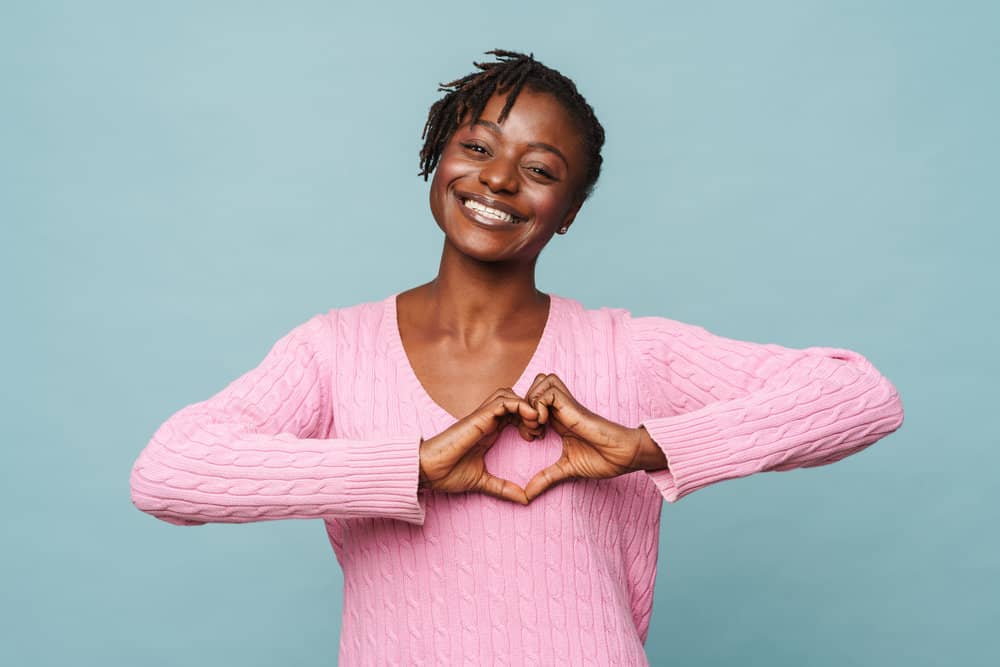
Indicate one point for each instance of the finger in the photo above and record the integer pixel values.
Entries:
(498, 394)
(525, 432)
(548, 396)
(527, 412)
(504, 489)
(537, 388)
(546, 478)
(550, 380)
(557, 381)
(543, 410)
(491, 417)
(514, 405)
(530, 425)
(533, 396)
(560, 407)
(492, 399)
(529, 433)
(534, 383)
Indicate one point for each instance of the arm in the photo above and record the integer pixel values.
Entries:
(721, 408)
(258, 451)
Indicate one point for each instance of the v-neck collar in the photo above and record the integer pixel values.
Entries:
(391, 321)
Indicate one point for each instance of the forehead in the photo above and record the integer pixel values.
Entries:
(536, 117)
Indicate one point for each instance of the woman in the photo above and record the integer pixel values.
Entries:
(462, 540)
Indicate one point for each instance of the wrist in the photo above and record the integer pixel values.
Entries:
(649, 455)
(421, 475)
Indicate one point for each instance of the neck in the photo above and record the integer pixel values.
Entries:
(470, 296)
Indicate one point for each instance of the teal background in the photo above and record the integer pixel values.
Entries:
(182, 183)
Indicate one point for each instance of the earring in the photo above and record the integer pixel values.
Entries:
(563, 230)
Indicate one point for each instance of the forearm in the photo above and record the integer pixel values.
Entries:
(261, 449)
(194, 472)
(814, 414)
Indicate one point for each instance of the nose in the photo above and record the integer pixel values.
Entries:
(499, 175)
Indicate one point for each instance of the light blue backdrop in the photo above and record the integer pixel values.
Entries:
(182, 183)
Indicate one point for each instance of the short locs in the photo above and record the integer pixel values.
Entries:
(509, 74)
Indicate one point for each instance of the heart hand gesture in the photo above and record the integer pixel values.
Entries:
(453, 460)
(593, 447)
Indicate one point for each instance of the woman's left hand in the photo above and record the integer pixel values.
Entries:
(593, 447)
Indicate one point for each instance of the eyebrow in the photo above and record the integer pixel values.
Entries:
(490, 125)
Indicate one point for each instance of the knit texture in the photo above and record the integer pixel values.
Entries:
(328, 426)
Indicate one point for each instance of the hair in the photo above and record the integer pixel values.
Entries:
(509, 73)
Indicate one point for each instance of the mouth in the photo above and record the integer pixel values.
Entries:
(489, 210)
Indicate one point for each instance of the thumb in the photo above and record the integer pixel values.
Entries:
(546, 478)
(504, 489)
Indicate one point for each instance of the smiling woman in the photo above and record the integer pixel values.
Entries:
(462, 540)
(512, 180)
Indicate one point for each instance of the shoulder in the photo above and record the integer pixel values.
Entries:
(358, 318)
(640, 330)
(335, 327)
(576, 313)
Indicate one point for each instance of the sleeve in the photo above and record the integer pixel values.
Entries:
(721, 408)
(256, 450)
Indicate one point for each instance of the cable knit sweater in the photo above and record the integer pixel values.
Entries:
(327, 426)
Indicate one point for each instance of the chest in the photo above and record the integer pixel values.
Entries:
(378, 389)
(459, 380)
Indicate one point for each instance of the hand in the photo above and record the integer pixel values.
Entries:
(453, 460)
(593, 447)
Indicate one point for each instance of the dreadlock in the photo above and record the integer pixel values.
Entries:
(509, 74)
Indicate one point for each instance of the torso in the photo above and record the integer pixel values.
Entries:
(476, 561)
(457, 377)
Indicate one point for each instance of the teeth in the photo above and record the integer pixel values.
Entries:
(489, 212)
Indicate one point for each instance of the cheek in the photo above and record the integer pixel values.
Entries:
(436, 196)
(449, 172)
(446, 172)
(449, 168)
(553, 206)
(444, 176)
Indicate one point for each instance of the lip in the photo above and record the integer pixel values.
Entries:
(492, 203)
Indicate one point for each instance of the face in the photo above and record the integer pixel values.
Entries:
(501, 190)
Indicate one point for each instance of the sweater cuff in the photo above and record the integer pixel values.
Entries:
(697, 454)
(384, 477)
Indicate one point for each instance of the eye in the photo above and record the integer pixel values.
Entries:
(541, 172)
(474, 147)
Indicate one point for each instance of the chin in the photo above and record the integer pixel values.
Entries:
(484, 246)
(481, 252)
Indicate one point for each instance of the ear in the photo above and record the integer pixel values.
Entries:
(571, 215)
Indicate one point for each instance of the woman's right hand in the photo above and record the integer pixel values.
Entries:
(453, 461)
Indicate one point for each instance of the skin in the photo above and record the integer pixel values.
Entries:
(470, 332)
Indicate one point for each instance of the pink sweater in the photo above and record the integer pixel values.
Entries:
(328, 425)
